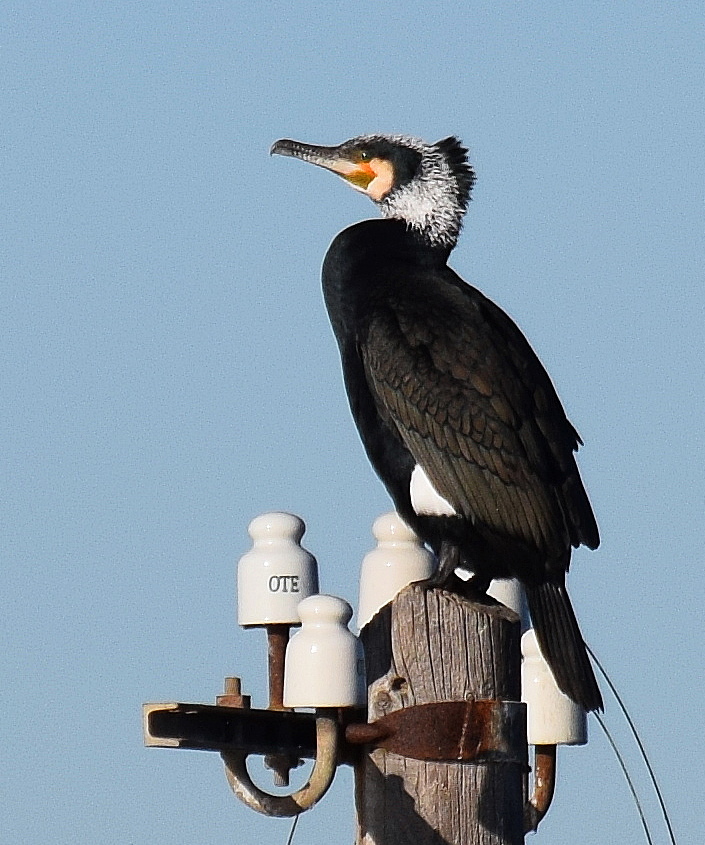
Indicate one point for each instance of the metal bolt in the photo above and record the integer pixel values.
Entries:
(233, 696)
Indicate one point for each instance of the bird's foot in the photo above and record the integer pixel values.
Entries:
(449, 560)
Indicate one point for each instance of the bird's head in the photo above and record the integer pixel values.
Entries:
(426, 185)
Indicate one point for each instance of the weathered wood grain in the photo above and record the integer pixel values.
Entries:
(428, 646)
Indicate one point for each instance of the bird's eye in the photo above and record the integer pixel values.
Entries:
(365, 155)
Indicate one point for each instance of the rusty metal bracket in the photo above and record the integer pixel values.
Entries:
(544, 785)
(479, 731)
(450, 731)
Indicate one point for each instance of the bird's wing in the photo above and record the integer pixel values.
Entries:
(472, 403)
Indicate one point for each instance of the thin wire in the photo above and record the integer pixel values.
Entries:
(642, 750)
(293, 829)
(627, 776)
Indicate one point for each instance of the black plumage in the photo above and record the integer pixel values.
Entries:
(439, 378)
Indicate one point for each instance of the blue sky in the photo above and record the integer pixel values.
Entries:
(168, 370)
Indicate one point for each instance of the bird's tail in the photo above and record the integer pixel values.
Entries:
(562, 643)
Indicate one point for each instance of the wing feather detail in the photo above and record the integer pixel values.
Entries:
(476, 409)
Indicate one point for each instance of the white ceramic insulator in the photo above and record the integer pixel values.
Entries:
(551, 717)
(277, 573)
(509, 592)
(399, 559)
(325, 663)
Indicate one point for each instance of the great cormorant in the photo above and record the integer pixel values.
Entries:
(456, 412)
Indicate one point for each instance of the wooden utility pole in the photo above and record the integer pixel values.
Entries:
(426, 647)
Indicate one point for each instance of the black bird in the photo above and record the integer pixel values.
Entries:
(456, 412)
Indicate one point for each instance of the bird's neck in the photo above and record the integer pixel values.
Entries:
(430, 209)
(366, 259)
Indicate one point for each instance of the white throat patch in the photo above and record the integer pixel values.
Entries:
(428, 204)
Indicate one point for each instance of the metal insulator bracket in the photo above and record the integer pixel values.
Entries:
(449, 731)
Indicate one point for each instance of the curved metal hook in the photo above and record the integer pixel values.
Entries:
(304, 798)
(544, 786)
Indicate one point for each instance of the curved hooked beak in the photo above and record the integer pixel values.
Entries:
(336, 159)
